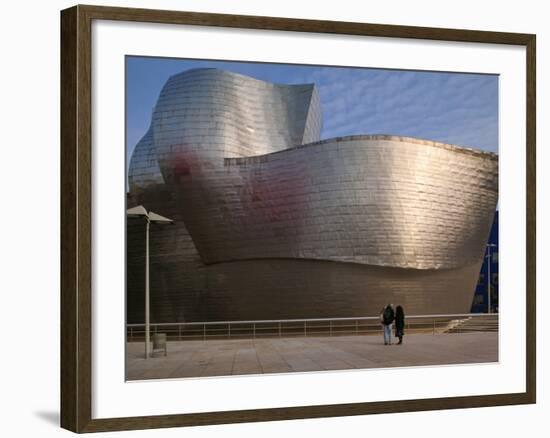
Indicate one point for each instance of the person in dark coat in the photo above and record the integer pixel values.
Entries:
(387, 316)
(399, 323)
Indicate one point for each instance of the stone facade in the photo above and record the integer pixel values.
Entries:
(273, 223)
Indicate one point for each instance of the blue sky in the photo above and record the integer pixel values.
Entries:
(453, 108)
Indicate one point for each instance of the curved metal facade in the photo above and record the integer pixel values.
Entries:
(264, 210)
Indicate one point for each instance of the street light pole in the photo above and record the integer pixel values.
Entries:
(147, 300)
(150, 217)
(488, 279)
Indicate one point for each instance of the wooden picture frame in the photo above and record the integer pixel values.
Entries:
(76, 217)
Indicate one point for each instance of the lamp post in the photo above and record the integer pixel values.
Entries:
(489, 246)
(150, 217)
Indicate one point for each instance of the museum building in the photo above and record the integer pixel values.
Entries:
(271, 222)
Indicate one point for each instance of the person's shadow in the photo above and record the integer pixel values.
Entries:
(51, 417)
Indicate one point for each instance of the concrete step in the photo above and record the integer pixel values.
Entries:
(485, 323)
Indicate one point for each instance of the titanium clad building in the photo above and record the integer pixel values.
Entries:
(271, 222)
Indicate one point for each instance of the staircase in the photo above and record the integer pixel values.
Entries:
(483, 323)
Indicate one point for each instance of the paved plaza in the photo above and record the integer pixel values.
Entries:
(281, 355)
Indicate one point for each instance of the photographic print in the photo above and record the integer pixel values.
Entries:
(302, 218)
(266, 206)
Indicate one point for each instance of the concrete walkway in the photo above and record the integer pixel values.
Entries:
(282, 355)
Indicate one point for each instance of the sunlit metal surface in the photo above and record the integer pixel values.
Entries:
(273, 223)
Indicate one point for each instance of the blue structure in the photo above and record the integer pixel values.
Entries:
(481, 302)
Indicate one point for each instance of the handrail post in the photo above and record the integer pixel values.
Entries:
(330, 328)
(434, 328)
(179, 332)
(279, 328)
(254, 330)
(356, 326)
(229, 330)
(204, 332)
(305, 330)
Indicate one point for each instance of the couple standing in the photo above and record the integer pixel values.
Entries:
(387, 317)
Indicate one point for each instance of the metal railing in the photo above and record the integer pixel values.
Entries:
(300, 327)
